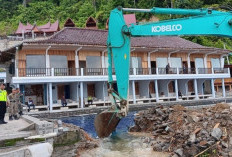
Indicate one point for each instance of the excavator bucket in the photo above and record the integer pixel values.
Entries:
(105, 123)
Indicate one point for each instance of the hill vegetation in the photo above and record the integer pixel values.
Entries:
(41, 11)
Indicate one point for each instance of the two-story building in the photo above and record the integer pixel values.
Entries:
(73, 63)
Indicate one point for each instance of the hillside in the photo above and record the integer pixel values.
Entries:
(41, 11)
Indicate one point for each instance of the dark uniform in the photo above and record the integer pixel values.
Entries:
(3, 100)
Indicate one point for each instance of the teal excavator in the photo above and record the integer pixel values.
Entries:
(198, 22)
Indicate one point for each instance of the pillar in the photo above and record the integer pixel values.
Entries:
(156, 91)
(195, 89)
(16, 61)
(212, 88)
(205, 61)
(50, 97)
(82, 96)
(133, 90)
(223, 88)
(189, 65)
(176, 89)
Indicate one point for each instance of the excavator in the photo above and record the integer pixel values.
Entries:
(209, 21)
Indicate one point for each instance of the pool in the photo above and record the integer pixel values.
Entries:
(86, 122)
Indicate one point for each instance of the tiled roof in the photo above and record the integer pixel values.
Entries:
(81, 36)
(129, 18)
(48, 28)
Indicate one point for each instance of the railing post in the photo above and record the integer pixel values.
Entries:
(16, 72)
(157, 71)
(82, 72)
(196, 70)
(228, 71)
(177, 71)
(77, 71)
(212, 70)
(52, 72)
(134, 71)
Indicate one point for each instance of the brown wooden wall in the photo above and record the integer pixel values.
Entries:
(83, 54)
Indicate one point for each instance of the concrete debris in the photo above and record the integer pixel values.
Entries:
(217, 133)
(187, 132)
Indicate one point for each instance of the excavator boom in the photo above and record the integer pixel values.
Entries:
(198, 22)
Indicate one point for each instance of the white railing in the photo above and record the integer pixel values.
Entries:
(35, 72)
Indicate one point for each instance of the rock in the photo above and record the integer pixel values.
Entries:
(216, 133)
(205, 124)
(226, 111)
(230, 154)
(195, 118)
(179, 152)
(175, 155)
(224, 144)
(203, 143)
(192, 138)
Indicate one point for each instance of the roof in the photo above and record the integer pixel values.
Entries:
(129, 19)
(83, 36)
(48, 28)
(69, 23)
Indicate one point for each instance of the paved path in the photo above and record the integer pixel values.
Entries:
(11, 129)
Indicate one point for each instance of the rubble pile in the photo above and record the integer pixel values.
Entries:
(187, 132)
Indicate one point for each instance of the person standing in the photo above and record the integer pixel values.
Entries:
(20, 106)
(13, 105)
(167, 68)
(3, 103)
(63, 101)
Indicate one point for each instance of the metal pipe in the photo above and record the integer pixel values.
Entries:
(157, 10)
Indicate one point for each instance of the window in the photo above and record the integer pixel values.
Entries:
(58, 61)
(176, 62)
(215, 62)
(93, 62)
(135, 62)
(199, 63)
(35, 61)
(161, 62)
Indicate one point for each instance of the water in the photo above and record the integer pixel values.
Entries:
(119, 144)
(86, 122)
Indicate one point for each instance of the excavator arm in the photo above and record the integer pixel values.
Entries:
(198, 22)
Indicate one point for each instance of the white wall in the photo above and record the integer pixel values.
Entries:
(99, 90)
(73, 91)
(144, 88)
(85, 91)
(54, 93)
(183, 86)
(163, 87)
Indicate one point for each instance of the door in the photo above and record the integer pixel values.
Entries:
(91, 90)
(61, 91)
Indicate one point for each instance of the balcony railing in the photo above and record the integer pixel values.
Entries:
(38, 72)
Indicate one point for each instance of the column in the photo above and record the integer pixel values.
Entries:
(156, 91)
(212, 88)
(176, 89)
(16, 61)
(189, 64)
(47, 61)
(47, 94)
(77, 63)
(195, 89)
(50, 97)
(133, 90)
(223, 88)
(82, 95)
(205, 61)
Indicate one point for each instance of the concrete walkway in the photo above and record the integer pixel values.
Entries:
(12, 129)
